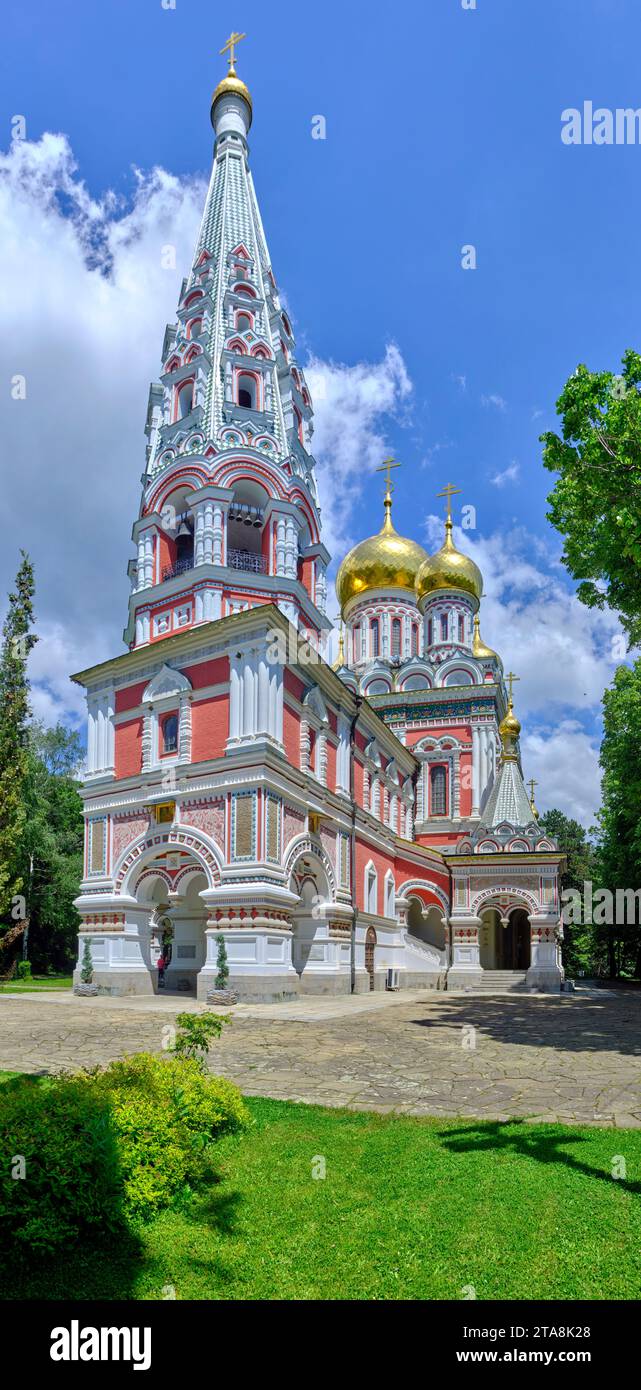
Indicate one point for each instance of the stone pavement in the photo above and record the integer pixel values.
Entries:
(573, 1058)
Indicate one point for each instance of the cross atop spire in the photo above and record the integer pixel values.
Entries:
(229, 46)
(386, 468)
(449, 491)
(510, 678)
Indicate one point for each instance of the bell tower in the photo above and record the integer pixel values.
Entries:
(229, 515)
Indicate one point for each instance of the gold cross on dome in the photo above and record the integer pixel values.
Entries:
(532, 784)
(511, 678)
(449, 491)
(230, 46)
(386, 468)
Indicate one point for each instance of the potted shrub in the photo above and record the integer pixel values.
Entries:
(221, 993)
(86, 985)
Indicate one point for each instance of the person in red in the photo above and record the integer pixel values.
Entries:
(162, 966)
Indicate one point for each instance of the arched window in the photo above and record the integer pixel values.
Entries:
(378, 688)
(244, 322)
(390, 896)
(443, 627)
(185, 400)
(356, 644)
(375, 634)
(430, 632)
(396, 636)
(438, 791)
(416, 683)
(169, 732)
(371, 889)
(194, 328)
(461, 628)
(458, 678)
(414, 639)
(247, 391)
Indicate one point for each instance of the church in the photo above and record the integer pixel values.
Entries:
(361, 825)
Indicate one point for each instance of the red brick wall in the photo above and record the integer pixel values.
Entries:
(209, 727)
(129, 748)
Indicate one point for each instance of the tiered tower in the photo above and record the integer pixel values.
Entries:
(229, 514)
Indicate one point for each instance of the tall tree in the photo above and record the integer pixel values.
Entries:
(573, 840)
(17, 641)
(596, 500)
(619, 845)
(51, 845)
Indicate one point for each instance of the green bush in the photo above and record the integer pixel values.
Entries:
(24, 970)
(60, 1133)
(107, 1148)
(167, 1114)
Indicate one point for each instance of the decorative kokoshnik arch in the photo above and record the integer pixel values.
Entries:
(504, 900)
(303, 844)
(418, 886)
(149, 846)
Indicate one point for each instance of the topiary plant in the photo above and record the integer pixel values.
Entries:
(24, 970)
(86, 971)
(222, 971)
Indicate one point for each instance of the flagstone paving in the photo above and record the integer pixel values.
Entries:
(573, 1058)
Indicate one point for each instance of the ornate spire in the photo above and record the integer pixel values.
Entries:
(231, 85)
(449, 568)
(479, 648)
(229, 490)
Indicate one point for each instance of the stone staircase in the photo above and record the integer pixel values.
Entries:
(501, 982)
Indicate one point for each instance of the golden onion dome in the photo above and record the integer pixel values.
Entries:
(383, 561)
(478, 645)
(509, 729)
(449, 569)
(232, 85)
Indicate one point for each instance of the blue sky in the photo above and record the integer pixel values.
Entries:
(443, 129)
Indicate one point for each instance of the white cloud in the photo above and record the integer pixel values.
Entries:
(563, 759)
(352, 406)
(509, 475)
(494, 400)
(85, 299)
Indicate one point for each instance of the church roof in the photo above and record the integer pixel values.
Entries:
(508, 800)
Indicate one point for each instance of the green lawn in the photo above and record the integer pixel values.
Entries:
(409, 1208)
(37, 982)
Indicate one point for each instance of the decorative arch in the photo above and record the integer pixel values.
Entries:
(496, 897)
(306, 844)
(141, 854)
(416, 887)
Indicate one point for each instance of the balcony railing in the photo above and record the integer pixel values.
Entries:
(179, 567)
(246, 560)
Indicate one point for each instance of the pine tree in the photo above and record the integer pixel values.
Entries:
(17, 641)
(222, 971)
(86, 969)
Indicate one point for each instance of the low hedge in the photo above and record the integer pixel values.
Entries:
(107, 1149)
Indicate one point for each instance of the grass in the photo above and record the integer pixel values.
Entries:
(37, 982)
(408, 1209)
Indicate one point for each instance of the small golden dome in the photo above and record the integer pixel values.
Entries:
(231, 85)
(384, 561)
(509, 729)
(478, 645)
(449, 569)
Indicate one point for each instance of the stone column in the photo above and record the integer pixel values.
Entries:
(476, 769)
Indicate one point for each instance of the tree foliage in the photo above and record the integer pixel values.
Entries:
(619, 842)
(596, 500)
(17, 641)
(573, 840)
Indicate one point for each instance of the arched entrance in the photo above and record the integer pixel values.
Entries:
(425, 921)
(504, 940)
(515, 942)
(370, 948)
(320, 953)
(177, 917)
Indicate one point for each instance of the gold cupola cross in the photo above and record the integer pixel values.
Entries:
(386, 468)
(449, 491)
(229, 47)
